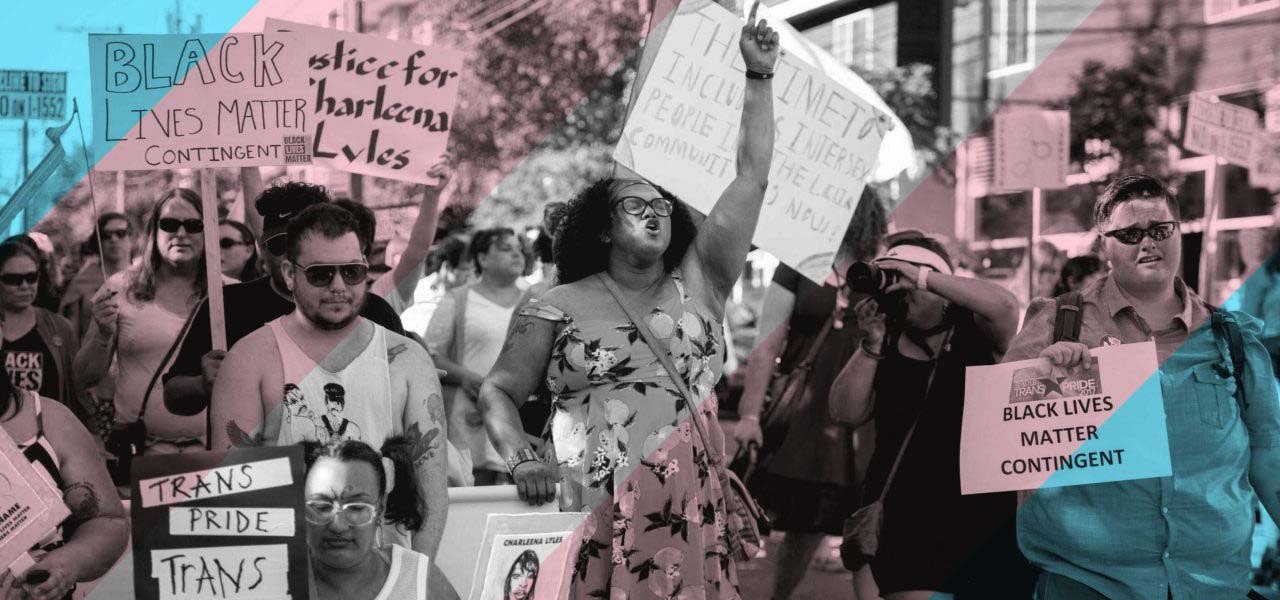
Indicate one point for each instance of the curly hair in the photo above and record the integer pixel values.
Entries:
(867, 227)
(579, 250)
(142, 278)
(403, 505)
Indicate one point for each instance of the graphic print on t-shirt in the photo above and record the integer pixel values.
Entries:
(336, 426)
(26, 369)
(303, 422)
(299, 418)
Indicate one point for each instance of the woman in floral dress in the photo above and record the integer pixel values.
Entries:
(627, 451)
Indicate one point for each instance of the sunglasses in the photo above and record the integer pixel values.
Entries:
(170, 225)
(321, 275)
(276, 244)
(16, 279)
(1130, 236)
(226, 243)
(322, 512)
(118, 234)
(635, 206)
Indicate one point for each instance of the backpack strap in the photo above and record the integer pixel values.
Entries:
(1066, 324)
(1226, 327)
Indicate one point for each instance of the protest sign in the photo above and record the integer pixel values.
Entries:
(527, 556)
(378, 106)
(187, 101)
(469, 510)
(1264, 165)
(1028, 424)
(31, 506)
(1220, 129)
(33, 95)
(682, 133)
(220, 525)
(1032, 149)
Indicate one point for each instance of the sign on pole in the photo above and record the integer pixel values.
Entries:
(33, 95)
(191, 101)
(1029, 424)
(527, 555)
(682, 133)
(220, 525)
(469, 510)
(1220, 129)
(379, 107)
(1032, 149)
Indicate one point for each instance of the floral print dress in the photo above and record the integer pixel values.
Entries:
(629, 454)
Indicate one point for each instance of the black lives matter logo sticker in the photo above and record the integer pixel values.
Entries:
(297, 149)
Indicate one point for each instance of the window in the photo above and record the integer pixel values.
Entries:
(1223, 10)
(1012, 36)
(852, 39)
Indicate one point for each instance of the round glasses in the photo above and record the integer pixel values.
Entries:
(1129, 236)
(321, 275)
(633, 205)
(356, 514)
(171, 225)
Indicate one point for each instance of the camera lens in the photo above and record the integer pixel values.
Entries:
(866, 278)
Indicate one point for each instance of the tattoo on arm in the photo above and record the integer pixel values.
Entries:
(241, 439)
(395, 351)
(435, 408)
(422, 446)
(82, 501)
(520, 327)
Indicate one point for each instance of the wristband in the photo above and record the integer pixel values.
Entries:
(521, 456)
(758, 75)
(922, 279)
(872, 354)
(755, 418)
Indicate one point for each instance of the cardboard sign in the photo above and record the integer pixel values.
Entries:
(1264, 165)
(220, 525)
(31, 506)
(469, 510)
(1029, 425)
(378, 106)
(1032, 149)
(1220, 129)
(207, 100)
(682, 133)
(527, 556)
(33, 95)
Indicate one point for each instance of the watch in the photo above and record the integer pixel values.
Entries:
(521, 456)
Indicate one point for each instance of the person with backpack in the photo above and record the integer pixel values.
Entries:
(1187, 535)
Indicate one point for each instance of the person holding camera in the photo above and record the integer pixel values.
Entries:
(924, 326)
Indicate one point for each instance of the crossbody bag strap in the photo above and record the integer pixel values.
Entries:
(902, 450)
(164, 364)
(664, 357)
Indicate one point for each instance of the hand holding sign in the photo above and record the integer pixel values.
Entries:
(442, 171)
(53, 578)
(759, 44)
(105, 307)
(1067, 354)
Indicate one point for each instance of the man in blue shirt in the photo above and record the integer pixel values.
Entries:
(1185, 536)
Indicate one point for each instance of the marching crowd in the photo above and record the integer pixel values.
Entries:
(595, 388)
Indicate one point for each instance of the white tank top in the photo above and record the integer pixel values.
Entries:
(407, 579)
(319, 405)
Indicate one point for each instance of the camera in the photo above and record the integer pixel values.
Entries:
(866, 278)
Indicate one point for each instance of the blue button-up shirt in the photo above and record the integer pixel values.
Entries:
(1185, 536)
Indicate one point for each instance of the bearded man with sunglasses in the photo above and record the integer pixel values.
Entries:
(248, 306)
(326, 350)
(1184, 536)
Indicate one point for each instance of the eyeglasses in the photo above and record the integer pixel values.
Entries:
(321, 275)
(119, 234)
(635, 206)
(1130, 236)
(169, 225)
(226, 243)
(16, 279)
(356, 514)
(276, 244)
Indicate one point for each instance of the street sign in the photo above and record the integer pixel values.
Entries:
(33, 95)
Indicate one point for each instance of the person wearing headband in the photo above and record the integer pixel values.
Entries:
(922, 331)
(352, 491)
(1187, 535)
